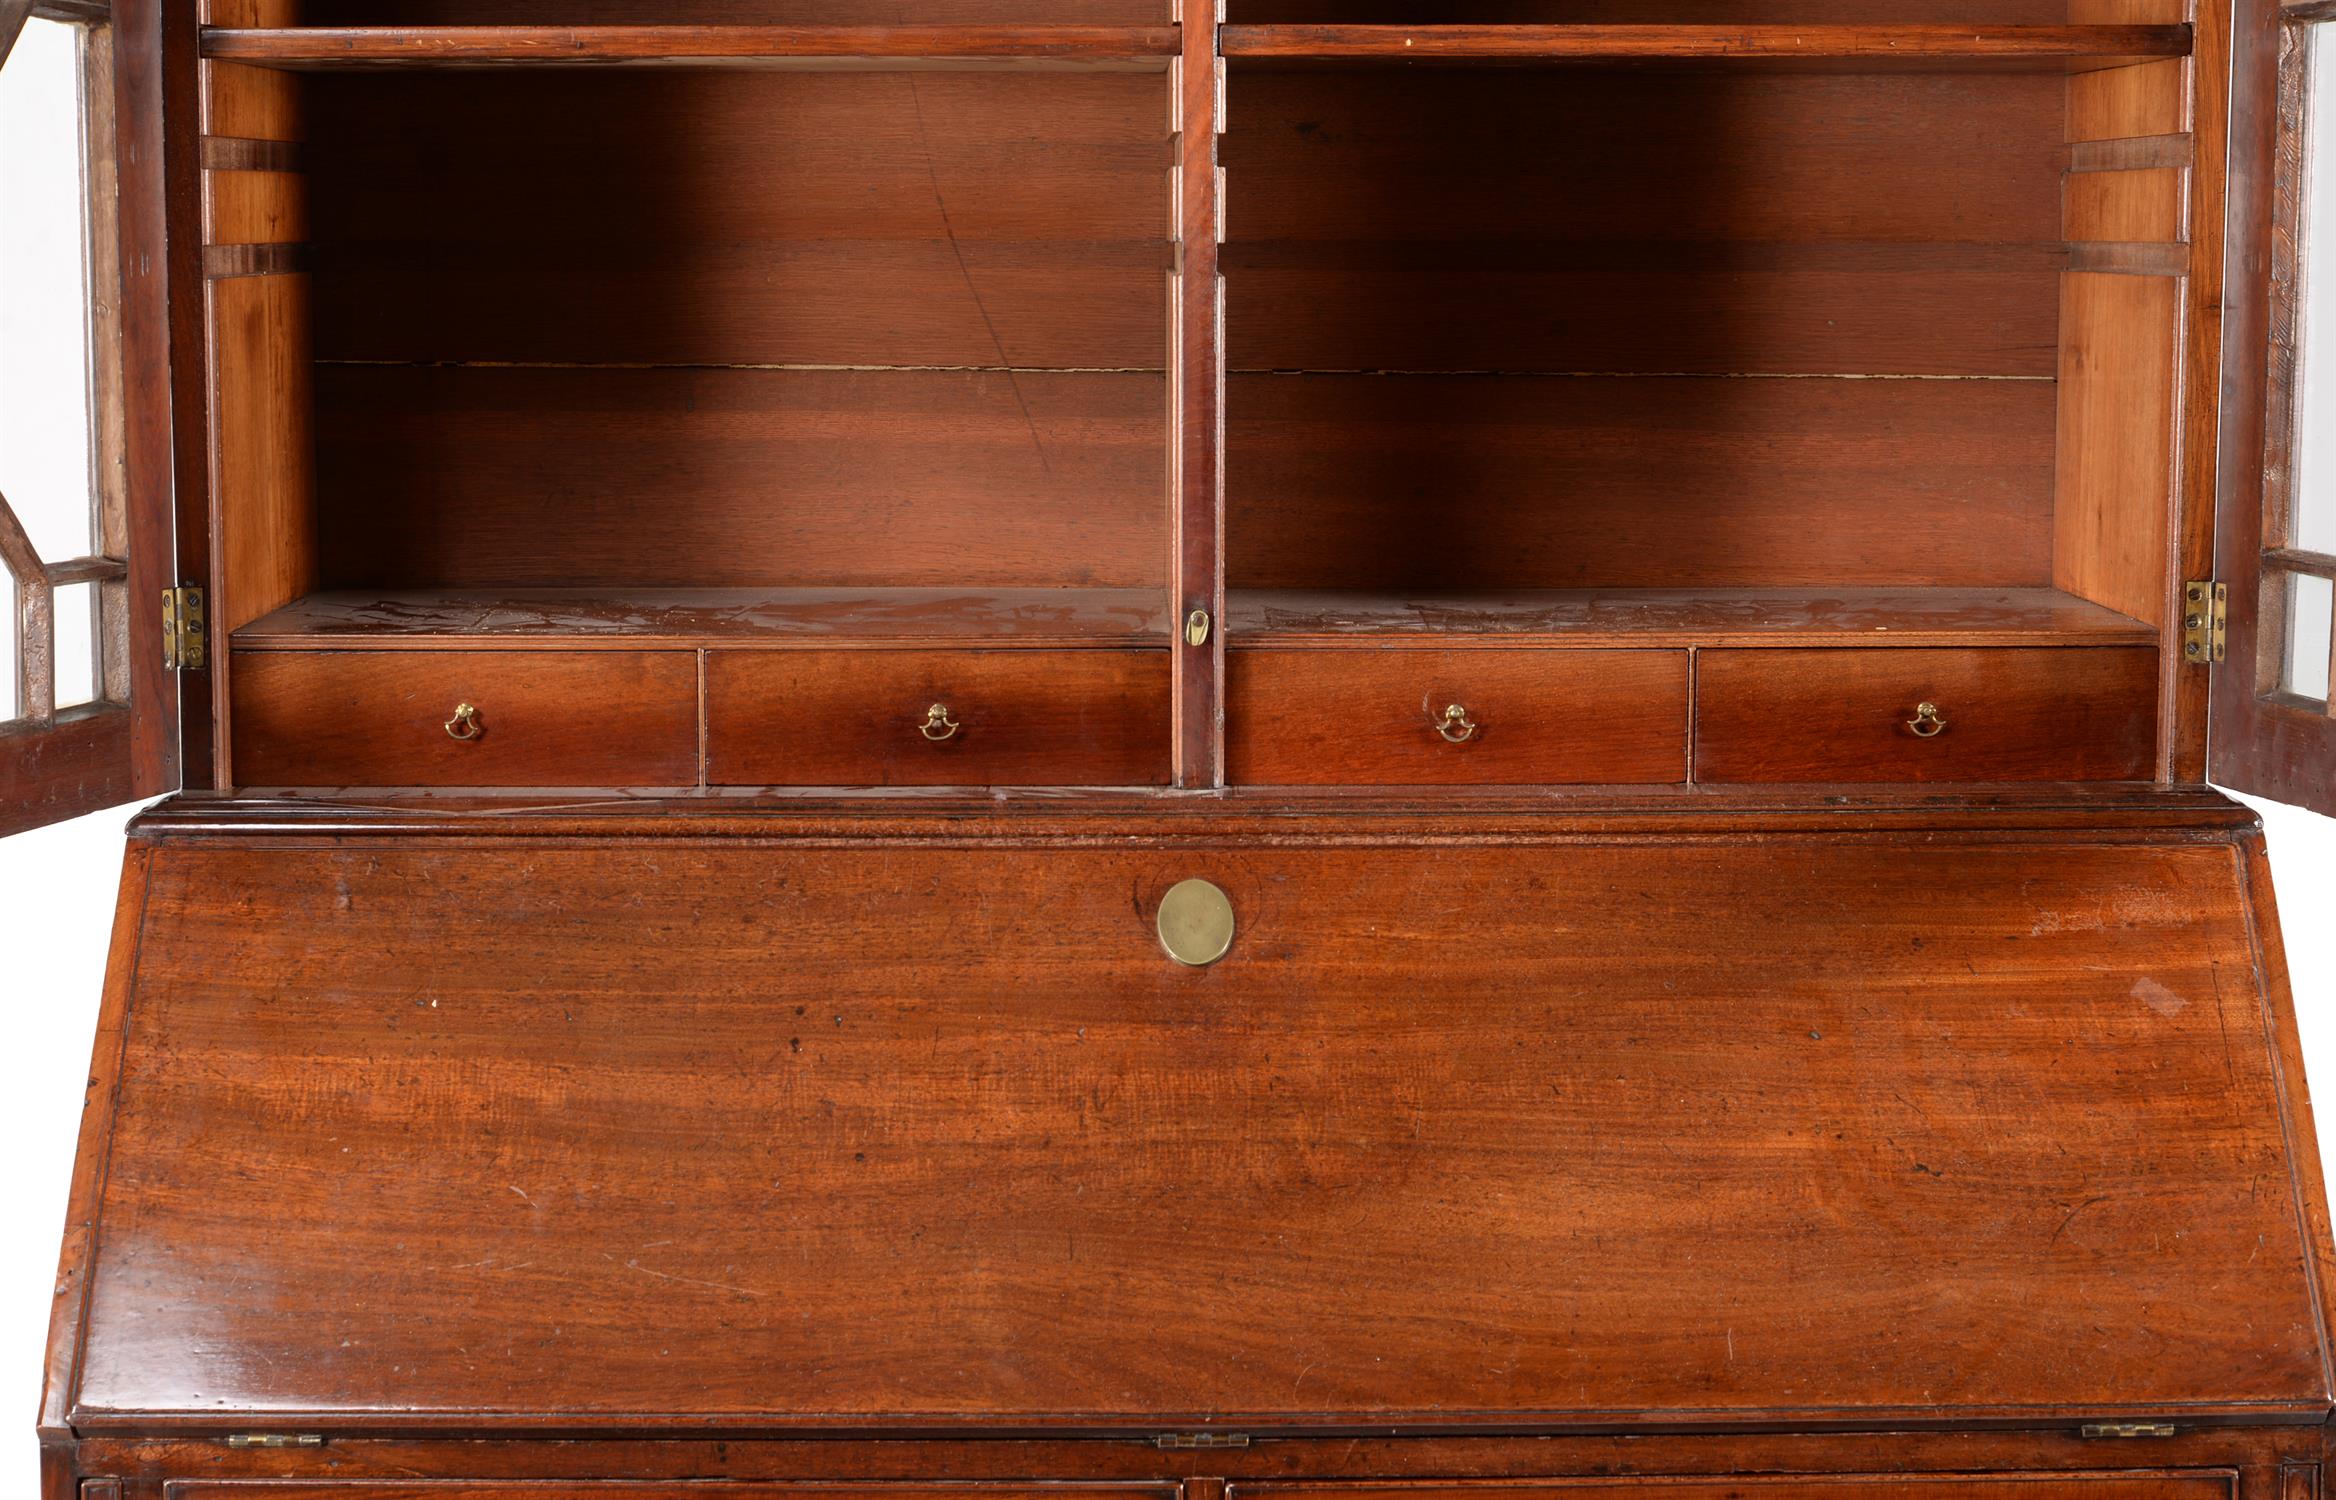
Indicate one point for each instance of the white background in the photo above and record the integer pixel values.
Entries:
(57, 884)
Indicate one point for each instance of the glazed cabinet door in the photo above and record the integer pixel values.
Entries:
(85, 713)
(2273, 723)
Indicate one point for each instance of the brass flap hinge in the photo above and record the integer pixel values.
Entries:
(1201, 1440)
(2206, 615)
(186, 640)
(2126, 1430)
(275, 1440)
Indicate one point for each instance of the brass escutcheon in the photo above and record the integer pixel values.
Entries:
(938, 726)
(465, 723)
(1927, 722)
(1456, 726)
(1196, 923)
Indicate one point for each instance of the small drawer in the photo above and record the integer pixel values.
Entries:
(2072, 714)
(937, 718)
(394, 718)
(1385, 716)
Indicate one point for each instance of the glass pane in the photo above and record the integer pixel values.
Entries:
(2313, 526)
(2311, 606)
(9, 706)
(45, 438)
(76, 635)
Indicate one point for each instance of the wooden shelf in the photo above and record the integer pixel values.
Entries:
(1087, 48)
(631, 619)
(1543, 619)
(1849, 48)
(1149, 48)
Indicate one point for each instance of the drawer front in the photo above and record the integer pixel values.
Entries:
(2083, 714)
(2203, 1484)
(611, 1489)
(390, 718)
(1383, 717)
(1007, 718)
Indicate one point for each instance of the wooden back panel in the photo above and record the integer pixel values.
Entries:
(742, 217)
(1665, 260)
(485, 478)
(765, 322)
(780, 1135)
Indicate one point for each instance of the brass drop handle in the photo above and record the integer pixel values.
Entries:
(1928, 722)
(1456, 726)
(938, 726)
(465, 723)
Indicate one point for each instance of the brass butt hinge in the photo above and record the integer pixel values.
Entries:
(275, 1440)
(2126, 1430)
(1201, 1440)
(2206, 614)
(186, 639)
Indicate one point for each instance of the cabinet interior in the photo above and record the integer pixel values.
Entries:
(1664, 349)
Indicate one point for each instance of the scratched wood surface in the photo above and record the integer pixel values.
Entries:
(792, 1137)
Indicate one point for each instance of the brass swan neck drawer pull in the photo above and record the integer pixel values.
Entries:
(1928, 722)
(938, 726)
(465, 723)
(1456, 726)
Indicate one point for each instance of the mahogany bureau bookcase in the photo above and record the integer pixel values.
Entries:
(1058, 750)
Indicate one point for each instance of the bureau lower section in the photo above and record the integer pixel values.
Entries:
(574, 1143)
(1346, 716)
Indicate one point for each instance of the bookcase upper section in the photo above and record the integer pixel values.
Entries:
(1556, 393)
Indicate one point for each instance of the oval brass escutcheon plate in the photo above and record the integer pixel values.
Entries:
(1196, 923)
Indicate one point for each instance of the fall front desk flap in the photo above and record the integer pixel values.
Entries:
(1514, 1134)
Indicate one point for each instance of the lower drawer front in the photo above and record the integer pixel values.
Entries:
(937, 718)
(2205, 1484)
(394, 718)
(2079, 714)
(624, 1489)
(1385, 717)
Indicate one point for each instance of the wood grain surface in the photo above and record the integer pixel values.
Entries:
(629, 619)
(1540, 619)
(1485, 482)
(2009, 715)
(1349, 717)
(1870, 46)
(495, 478)
(1642, 222)
(332, 48)
(726, 217)
(911, 1137)
(1847, 1487)
(1024, 718)
(545, 718)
